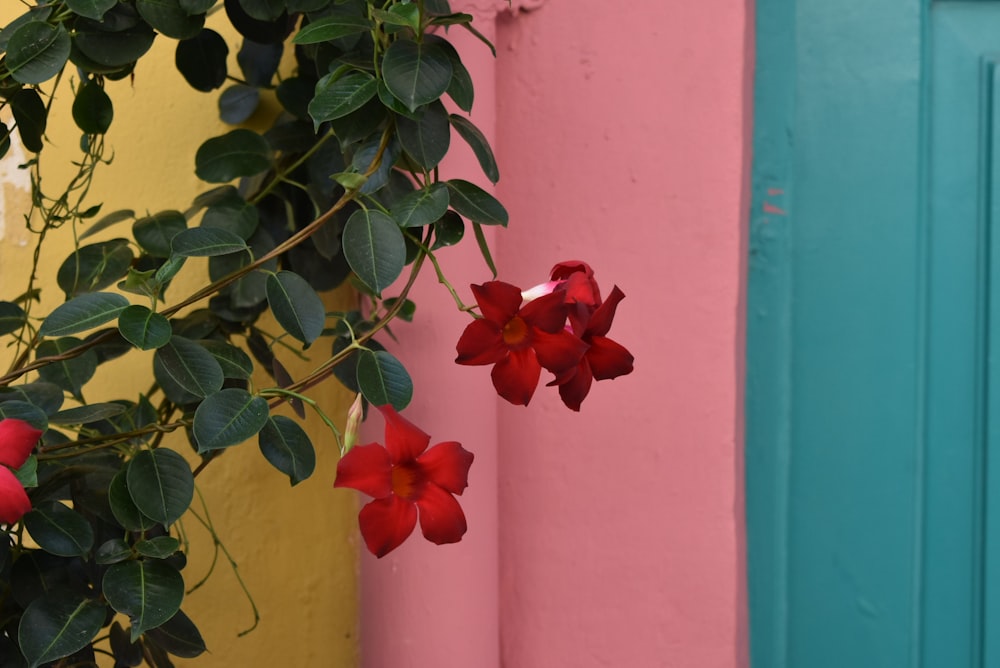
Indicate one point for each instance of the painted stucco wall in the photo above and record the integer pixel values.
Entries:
(622, 134)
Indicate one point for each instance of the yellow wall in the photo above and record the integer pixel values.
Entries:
(295, 546)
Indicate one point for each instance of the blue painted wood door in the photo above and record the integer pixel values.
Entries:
(873, 372)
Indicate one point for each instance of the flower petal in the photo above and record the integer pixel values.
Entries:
(17, 438)
(559, 351)
(516, 376)
(547, 313)
(441, 518)
(608, 359)
(498, 301)
(447, 466)
(600, 321)
(579, 284)
(575, 388)
(14, 502)
(481, 343)
(386, 523)
(367, 469)
(403, 439)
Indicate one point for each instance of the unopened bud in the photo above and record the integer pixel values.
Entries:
(354, 416)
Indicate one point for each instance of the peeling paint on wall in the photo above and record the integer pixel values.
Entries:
(15, 183)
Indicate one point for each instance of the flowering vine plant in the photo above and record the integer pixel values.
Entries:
(343, 186)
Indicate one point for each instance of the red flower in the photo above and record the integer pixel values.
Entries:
(519, 340)
(604, 359)
(17, 438)
(404, 477)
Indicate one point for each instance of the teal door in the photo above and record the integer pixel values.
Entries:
(873, 361)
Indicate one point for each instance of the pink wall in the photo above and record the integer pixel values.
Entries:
(612, 537)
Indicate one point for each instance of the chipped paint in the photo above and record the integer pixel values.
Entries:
(15, 183)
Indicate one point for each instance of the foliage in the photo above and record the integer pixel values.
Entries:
(343, 186)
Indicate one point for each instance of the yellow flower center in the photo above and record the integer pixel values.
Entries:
(515, 332)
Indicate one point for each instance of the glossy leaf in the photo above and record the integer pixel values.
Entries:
(159, 547)
(337, 95)
(87, 414)
(374, 247)
(59, 530)
(22, 410)
(112, 551)
(57, 625)
(232, 360)
(5, 133)
(82, 313)
(37, 51)
(383, 379)
(124, 508)
(332, 27)
(92, 109)
(237, 103)
(262, 32)
(169, 18)
(48, 397)
(476, 204)
(70, 374)
(448, 230)
(234, 154)
(114, 48)
(143, 328)
(296, 306)
(421, 207)
(149, 592)
(287, 447)
(161, 484)
(197, 6)
(202, 60)
(207, 242)
(178, 636)
(427, 138)
(107, 221)
(94, 267)
(228, 418)
(259, 62)
(190, 366)
(31, 117)
(415, 73)
(484, 248)
(478, 143)
(156, 233)
(12, 317)
(235, 215)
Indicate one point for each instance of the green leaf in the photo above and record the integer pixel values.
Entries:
(57, 625)
(159, 547)
(382, 379)
(37, 51)
(201, 60)
(112, 551)
(124, 508)
(46, 396)
(476, 204)
(31, 117)
(287, 447)
(427, 138)
(156, 233)
(115, 42)
(190, 366)
(5, 133)
(87, 414)
(332, 27)
(161, 485)
(197, 6)
(82, 313)
(92, 109)
(92, 9)
(22, 410)
(234, 154)
(237, 103)
(374, 247)
(478, 143)
(94, 267)
(234, 362)
(448, 230)
(296, 306)
(178, 636)
(143, 328)
(263, 10)
(207, 242)
(417, 74)
(70, 374)
(59, 530)
(421, 207)
(33, 14)
(228, 418)
(484, 248)
(12, 317)
(235, 215)
(168, 17)
(107, 221)
(149, 592)
(338, 95)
